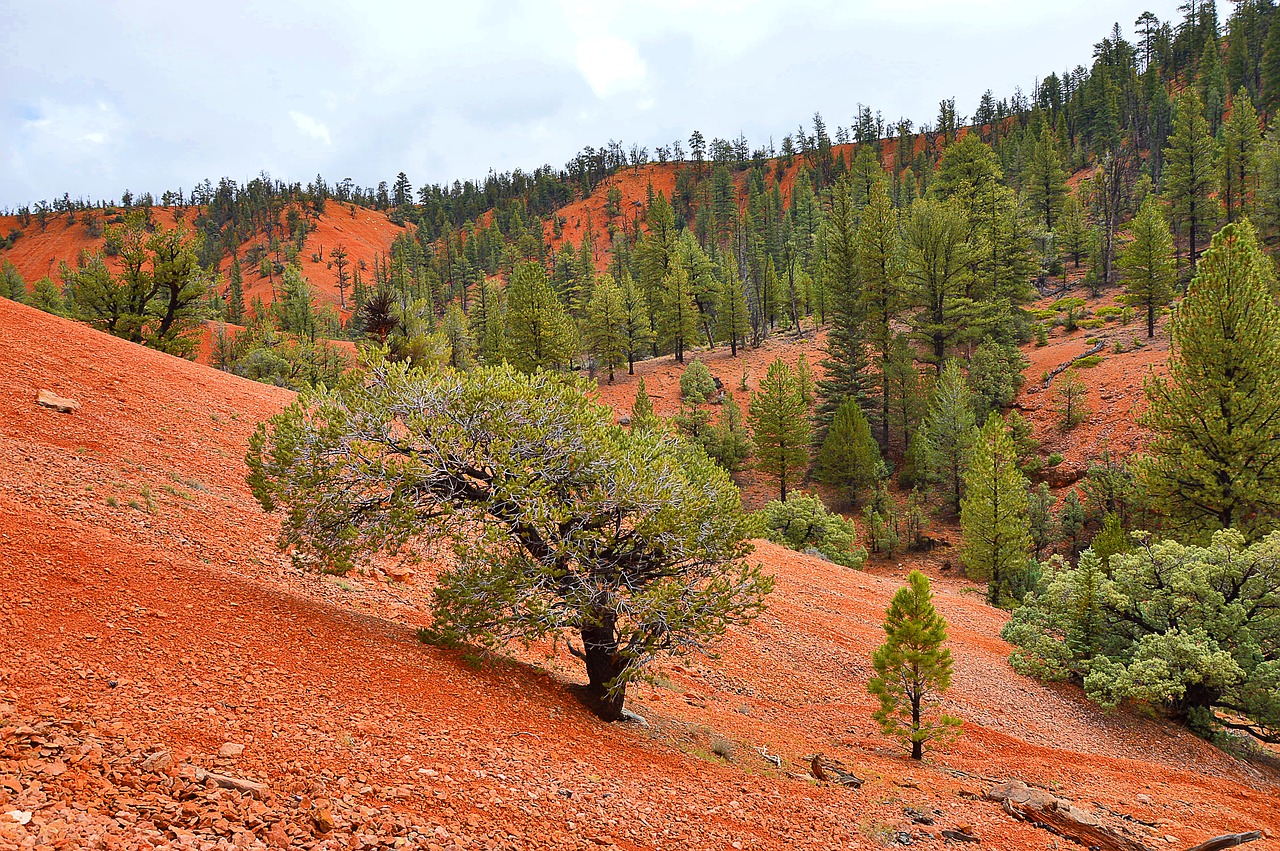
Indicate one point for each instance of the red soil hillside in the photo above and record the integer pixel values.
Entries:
(363, 232)
(145, 609)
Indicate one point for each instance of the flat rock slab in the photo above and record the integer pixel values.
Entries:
(49, 399)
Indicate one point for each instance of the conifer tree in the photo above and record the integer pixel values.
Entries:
(1215, 460)
(488, 325)
(1073, 230)
(678, 319)
(1270, 95)
(1045, 179)
(457, 337)
(780, 426)
(1191, 170)
(1213, 83)
(730, 445)
(732, 316)
(1242, 139)
(845, 366)
(235, 294)
(636, 328)
(642, 416)
(995, 533)
(937, 274)
(1147, 263)
(1071, 393)
(538, 332)
(849, 457)
(913, 669)
(949, 430)
(605, 325)
(880, 275)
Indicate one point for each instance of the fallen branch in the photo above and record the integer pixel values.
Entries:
(831, 773)
(1063, 367)
(1229, 840)
(236, 784)
(768, 757)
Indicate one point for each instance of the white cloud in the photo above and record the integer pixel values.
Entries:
(76, 130)
(308, 126)
(609, 64)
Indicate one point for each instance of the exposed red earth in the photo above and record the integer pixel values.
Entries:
(144, 608)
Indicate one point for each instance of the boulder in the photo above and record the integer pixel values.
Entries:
(49, 399)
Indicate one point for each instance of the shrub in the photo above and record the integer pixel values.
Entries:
(696, 383)
(1053, 460)
(803, 523)
(995, 376)
(1088, 362)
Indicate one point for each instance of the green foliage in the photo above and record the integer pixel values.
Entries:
(47, 296)
(948, 431)
(563, 524)
(1191, 169)
(804, 524)
(913, 669)
(1147, 264)
(1192, 630)
(729, 444)
(1215, 459)
(696, 383)
(538, 333)
(11, 284)
(1072, 394)
(642, 416)
(995, 532)
(780, 426)
(849, 457)
(995, 376)
(1111, 540)
(1071, 518)
(1040, 519)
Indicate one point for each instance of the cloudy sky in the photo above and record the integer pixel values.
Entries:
(148, 95)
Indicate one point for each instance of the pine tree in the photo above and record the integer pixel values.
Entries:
(1191, 170)
(912, 669)
(995, 533)
(732, 316)
(1270, 95)
(949, 430)
(678, 318)
(849, 457)
(845, 366)
(605, 325)
(637, 328)
(730, 445)
(642, 416)
(1072, 393)
(938, 273)
(1073, 230)
(235, 294)
(1039, 518)
(1045, 178)
(880, 275)
(488, 324)
(1147, 263)
(1242, 139)
(458, 337)
(1071, 519)
(1215, 460)
(780, 426)
(1213, 83)
(538, 333)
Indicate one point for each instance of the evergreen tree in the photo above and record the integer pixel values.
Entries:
(1072, 394)
(235, 294)
(938, 273)
(849, 457)
(1213, 83)
(642, 416)
(538, 333)
(605, 327)
(780, 426)
(732, 315)
(730, 445)
(11, 284)
(880, 275)
(1071, 517)
(949, 430)
(912, 669)
(1073, 231)
(1215, 460)
(845, 366)
(1191, 170)
(636, 327)
(678, 319)
(1147, 263)
(1045, 179)
(995, 531)
(1242, 139)
(488, 324)
(1270, 95)
(1040, 519)
(457, 337)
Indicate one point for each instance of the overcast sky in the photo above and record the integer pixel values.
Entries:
(97, 97)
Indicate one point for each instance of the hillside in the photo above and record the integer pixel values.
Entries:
(365, 233)
(146, 609)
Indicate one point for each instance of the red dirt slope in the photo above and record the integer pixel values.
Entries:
(144, 607)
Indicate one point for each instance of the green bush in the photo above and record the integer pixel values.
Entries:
(1088, 362)
(696, 383)
(1053, 460)
(804, 524)
(995, 376)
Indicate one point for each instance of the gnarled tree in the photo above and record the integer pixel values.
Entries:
(564, 525)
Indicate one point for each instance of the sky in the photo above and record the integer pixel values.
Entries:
(100, 97)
